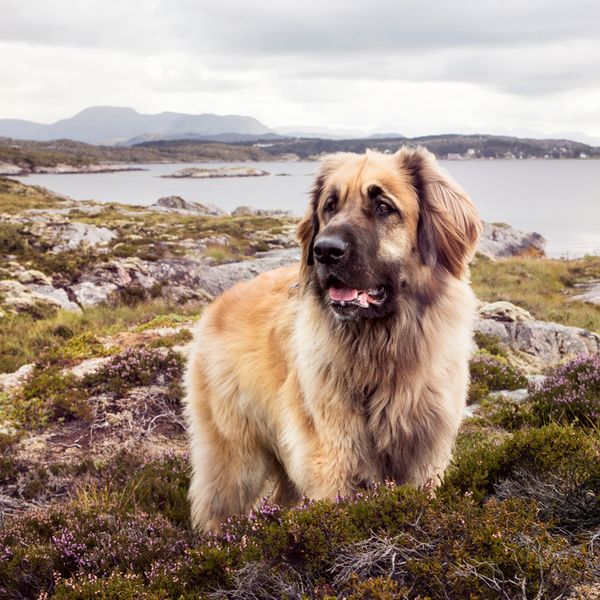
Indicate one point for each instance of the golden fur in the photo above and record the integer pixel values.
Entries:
(280, 388)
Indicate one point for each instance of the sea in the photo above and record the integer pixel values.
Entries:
(559, 199)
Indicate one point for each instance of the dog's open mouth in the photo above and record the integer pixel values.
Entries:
(343, 295)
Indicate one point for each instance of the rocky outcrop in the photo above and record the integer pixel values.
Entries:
(7, 168)
(18, 298)
(217, 279)
(63, 235)
(544, 343)
(499, 240)
(52, 294)
(591, 292)
(176, 204)
(16, 379)
(72, 235)
(89, 293)
(249, 211)
(504, 311)
(64, 169)
(203, 173)
(32, 276)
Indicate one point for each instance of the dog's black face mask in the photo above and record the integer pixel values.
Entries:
(348, 277)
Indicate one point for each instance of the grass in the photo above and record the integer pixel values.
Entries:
(16, 197)
(23, 339)
(541, 286)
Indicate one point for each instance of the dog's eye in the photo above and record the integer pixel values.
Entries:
(330, 205)
(383, 208)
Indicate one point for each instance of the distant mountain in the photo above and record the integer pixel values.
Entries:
(113, 125)
(323, 133)
(224, 138)
(578, 136)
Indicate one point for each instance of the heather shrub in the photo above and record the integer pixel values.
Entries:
(117, 586)
(570, 393)
(436, 548)
(491, 373)
(387, 539)
(78, 539)
(136, 366)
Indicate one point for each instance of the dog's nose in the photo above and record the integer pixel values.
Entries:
(330, 248)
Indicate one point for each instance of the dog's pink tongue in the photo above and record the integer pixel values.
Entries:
(337, 294)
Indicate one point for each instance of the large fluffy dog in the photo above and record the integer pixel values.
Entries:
(351, 367)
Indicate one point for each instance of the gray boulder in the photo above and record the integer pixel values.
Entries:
(32, 276)
(90, 294)
(590, 294)
(18, 298)
(217, 279)
(179, 204)
(16, 379)
(544, 343)
(55, 294)
(499, 240)
(504, 311)
(250, 211)
(75, 234)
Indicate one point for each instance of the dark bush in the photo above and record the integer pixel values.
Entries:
(549, 452)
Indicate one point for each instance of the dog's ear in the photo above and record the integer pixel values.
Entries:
(308, 228)
(449, 225)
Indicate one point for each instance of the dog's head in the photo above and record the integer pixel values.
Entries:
(380, 227)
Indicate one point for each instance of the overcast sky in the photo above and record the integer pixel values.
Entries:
(413, 67)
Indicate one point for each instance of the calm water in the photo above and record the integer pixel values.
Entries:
(559, 199)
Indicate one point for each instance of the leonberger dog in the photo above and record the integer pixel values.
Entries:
(351, 367)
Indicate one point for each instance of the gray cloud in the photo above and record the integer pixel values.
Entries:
(412, 40)
(298, 53)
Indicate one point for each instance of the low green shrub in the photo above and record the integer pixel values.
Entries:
(176, 339)
(504, 412)
(167, 320)
(490, 343)
(550, 452)
(48, 396)
(12, 240)
(83, 346)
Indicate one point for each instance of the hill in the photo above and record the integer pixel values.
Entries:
(111, 124)
(27, 156)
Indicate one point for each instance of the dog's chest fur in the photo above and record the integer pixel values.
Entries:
(384, 424)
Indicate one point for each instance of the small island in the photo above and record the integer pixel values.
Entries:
(202, 173)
